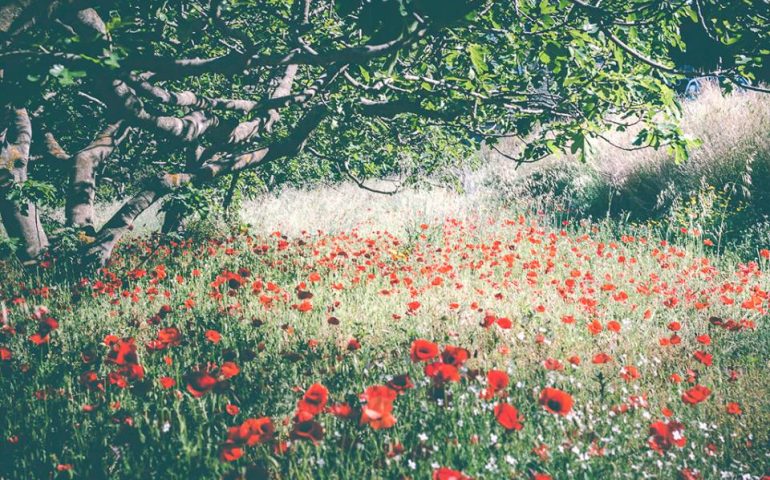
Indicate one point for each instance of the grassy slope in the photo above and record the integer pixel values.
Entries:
(512, 268)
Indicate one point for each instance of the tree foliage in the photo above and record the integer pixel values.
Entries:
(139, 99)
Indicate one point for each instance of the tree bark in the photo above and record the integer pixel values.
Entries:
(21, 221)
(101, 250)
(174, 221)
(82, 188)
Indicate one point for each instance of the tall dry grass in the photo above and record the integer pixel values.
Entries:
(343, 207)
(734, 159)
(722, 190)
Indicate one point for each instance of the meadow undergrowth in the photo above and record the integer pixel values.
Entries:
(482, 347)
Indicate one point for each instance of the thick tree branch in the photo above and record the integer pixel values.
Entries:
(158, 187)
(187, 128)
(54, 149)
(164, 68)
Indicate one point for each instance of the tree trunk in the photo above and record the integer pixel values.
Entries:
(175, 215)
(101, 250)
(82, 188)
(174, 221)
(23, 224)
(228, 200)
(20, 219)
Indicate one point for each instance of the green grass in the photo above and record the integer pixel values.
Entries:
(513, 268)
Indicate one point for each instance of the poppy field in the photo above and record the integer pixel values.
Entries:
(495, 348)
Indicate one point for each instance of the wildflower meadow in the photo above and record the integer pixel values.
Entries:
(495, 348)
(384, 239)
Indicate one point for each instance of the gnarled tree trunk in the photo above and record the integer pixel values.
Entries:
(20, 218)
(82, 188)
(175, 218)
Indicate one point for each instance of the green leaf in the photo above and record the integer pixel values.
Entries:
(65, 76)
(364, 73)
(477, 53)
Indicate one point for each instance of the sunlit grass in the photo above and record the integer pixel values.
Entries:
(339, 310)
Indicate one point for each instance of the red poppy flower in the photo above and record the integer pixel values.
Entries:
(675, 326)
(508, 416)
(200, 382)
(696, 394)
(413, 306)
(309, 430)
(497, 380)
(703, 357)
(377, 412)
(230, 453)
(314, 400)
(353, 345)
(123, 352)
(454, 355)
(600, 358)
(556, 401)
(213, 336)
(47, 325)
(552, 364)
(629, 373)
(170, 336)
(229, 369)
(423, 350)
(704, 339)
(166, 382)
(442, 372)
(251, 432)
(734, 408)
(39, 339)
(665, 435)
(90, 380)
(342, 410)
(305, 306)
(444, 473)
(595, 327)
(400, 383)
